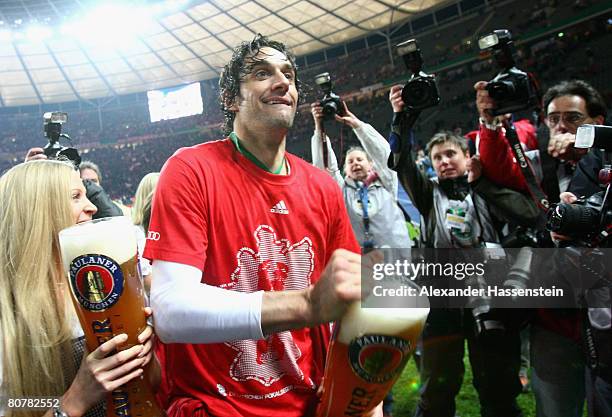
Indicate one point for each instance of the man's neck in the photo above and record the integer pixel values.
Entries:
(268, 146)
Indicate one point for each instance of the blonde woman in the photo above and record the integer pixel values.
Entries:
(142, 201)
(41, 342)
(141, 213)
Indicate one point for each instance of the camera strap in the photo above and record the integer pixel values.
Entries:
(364, 199)
(535, 190)
(324, 144)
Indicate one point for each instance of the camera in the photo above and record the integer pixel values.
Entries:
(588, 220)
(512, 89)
(331, 102)
(52, 126)
(582, 219)
(421, 91)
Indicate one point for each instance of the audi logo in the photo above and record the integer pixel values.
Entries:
(153, 235)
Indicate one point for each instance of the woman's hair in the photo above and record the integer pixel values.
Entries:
(35, 307)
(357, 148)
(143, 198)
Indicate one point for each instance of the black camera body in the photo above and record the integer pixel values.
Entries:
(512, 89)
(331, 102)
(421, 91)
(584, 219)
(589, 220)
(52, 126)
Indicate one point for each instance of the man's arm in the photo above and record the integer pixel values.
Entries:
(316, 147)
(418, 187)
(496, 156)
(187, 311)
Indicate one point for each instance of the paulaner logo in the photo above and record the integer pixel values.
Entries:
(96, 280)
(378, 358)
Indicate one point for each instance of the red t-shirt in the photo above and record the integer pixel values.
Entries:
(248, 230)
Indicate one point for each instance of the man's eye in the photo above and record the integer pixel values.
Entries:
(261, 74)
(289, 75)
(575, 117)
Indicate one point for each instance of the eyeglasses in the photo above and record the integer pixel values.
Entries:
(570, 118)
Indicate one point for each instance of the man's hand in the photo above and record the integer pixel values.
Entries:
(34, 154)
(395, 97)
(348, 118)
(317, 114)
(484, 102)
(339, 285)
(561, 146)
(474, 167)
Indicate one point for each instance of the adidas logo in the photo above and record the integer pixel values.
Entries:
(280, 208)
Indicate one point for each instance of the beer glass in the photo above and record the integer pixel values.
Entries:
(100, 258)
(369, 349)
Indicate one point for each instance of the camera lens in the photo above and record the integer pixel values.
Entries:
(329, 109)
(416, 93)
(572, 219)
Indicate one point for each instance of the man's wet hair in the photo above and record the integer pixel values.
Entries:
(242, 63)
(595, 104)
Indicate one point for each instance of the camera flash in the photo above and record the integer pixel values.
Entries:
(322, 78)
(585, 136)
(407, 47)
(55, 117)
(594, 136)
(488, 41)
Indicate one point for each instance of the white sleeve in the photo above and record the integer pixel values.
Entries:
(377, 147)
(187, 311)
(317, 157)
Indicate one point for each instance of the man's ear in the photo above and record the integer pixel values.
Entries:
(230, 104)
(599, 120)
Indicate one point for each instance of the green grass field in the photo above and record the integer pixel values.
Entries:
(406, 394)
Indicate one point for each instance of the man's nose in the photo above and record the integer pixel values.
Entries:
(562, 126)
(281, 81)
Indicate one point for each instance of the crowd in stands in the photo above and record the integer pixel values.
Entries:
(126, 143)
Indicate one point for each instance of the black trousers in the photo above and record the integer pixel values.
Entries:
(495, 362)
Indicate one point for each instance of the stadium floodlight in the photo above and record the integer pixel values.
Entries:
(111, 24)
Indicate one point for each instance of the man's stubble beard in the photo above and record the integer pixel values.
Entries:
(280, 121)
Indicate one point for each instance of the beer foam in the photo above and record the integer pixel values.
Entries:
(398, 321)
(112, 236)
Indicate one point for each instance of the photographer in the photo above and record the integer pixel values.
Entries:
(495, 152)
(557, 357)
(369, 187)
(456, 215)
(578, 224)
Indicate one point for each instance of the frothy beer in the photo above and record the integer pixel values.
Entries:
(369, 349)
(100, 258)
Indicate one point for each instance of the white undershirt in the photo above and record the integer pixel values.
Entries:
(187, 311)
